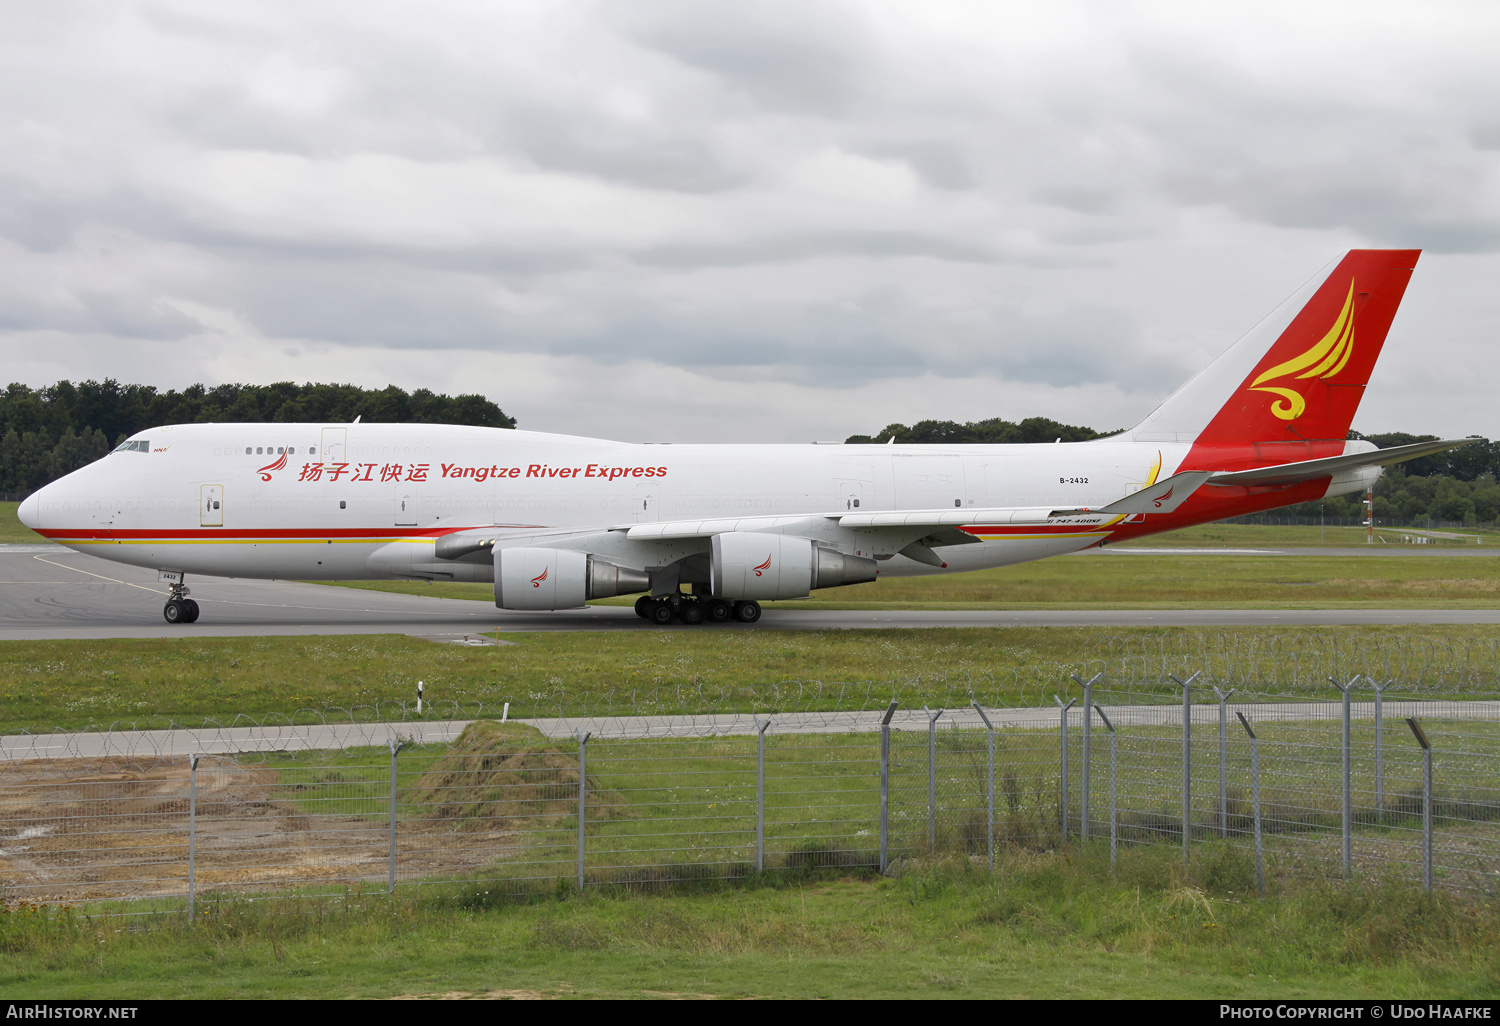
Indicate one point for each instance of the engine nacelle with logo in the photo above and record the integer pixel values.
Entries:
(749, 565)
(531, 578)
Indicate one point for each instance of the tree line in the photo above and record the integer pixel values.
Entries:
(48, 432)
(995, 431)
(1458, 485)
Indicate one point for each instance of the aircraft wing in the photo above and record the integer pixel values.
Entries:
(1309, 470)
(937, 520)
(943, 523)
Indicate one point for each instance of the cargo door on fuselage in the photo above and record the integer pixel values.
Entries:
(928, 482)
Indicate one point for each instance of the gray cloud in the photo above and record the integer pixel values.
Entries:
(34, 218)
(805, 247)
(126, 317)
(784, 56)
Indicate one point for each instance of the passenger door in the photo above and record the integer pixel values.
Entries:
(406, 505)
(334, 445)
(211, 505)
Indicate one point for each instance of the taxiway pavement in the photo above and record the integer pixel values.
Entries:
(49, 592)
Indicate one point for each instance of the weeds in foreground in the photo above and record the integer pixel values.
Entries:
(798, 931)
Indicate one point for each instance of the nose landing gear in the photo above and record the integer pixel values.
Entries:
(180, 608)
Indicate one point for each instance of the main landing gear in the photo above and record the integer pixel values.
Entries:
(690, 609)
(180, 608)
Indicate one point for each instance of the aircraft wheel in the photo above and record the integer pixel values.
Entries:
(192, 611)
(717, 611)
(643, 606)
(661, 613)
(747, 612)
(691, 612)
(175, 611)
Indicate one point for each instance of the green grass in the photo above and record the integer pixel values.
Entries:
(68, 684)
(12, 531)
(1042, 926)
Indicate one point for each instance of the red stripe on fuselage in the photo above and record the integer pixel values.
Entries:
(270, 533)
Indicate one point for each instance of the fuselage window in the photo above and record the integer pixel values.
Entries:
(280, 451)
(257, 451)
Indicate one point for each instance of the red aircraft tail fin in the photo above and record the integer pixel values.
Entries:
(1300, 374)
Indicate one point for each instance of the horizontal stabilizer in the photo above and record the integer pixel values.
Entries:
(1310, 470)
(1162, 497)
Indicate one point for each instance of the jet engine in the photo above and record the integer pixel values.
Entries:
(531, 578)
(749, 565)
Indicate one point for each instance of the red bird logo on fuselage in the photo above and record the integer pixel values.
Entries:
(265, 472)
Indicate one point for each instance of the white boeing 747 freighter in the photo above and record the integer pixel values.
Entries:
(707, 532)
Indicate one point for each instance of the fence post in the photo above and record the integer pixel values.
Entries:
(1348, 805)
(583, 747)
(1379, 748)
(1223, 771)
(1088, 716)
(192, 831)
(390, 884)
(1416, 728)
(1260, 857)
(760, 793)
(885, 784)
(989, 791)
(1113, 814)
(1187, 760)
(932, 718)
(1063, 760)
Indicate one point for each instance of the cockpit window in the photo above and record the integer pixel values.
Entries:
(134, 445)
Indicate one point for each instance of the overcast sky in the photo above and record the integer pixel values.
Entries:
(742, 221)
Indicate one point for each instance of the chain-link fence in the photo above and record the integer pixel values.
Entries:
(1333, 784)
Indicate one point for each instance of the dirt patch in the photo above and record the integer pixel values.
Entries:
(508, 777)
(75, 830)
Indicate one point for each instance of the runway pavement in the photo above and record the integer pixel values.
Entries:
(48, 592)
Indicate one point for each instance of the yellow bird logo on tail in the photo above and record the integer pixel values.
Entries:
(1323, 360)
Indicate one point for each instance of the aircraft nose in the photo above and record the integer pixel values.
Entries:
(30, 511)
